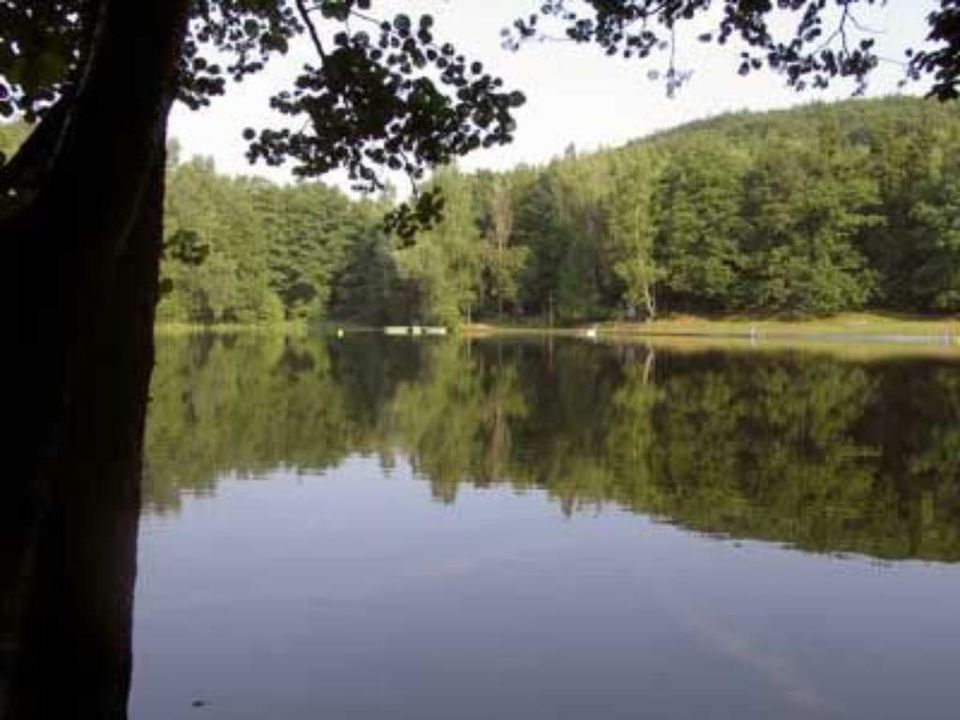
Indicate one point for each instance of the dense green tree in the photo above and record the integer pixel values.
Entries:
(248, 251)
(444, 266)
(584, 273)
(503, 260)
(309, 228)
(632, 223)
(229, 283)
(805, 204)
(537, 227)
(701, 224)
(369, 289)
(568, 274)
(907, 142)
(935, 280)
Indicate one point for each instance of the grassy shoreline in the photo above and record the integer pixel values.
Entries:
(288, 327)
(846, 327)
(860, 337)
(851, 326)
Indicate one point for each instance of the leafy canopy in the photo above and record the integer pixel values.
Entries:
(391, 93)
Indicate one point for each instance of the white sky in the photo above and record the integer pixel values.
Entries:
(574, 93)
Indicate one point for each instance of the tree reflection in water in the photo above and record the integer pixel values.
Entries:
(823, 454)
(802, 448)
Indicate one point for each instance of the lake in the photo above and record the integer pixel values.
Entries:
(531, 528)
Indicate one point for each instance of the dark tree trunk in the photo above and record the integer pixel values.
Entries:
(88, 240)
(79, 549)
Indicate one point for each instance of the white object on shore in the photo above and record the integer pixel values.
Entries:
(400, 330)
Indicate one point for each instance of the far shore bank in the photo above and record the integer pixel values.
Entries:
(288, 327)
(896, 331)
(852, 327)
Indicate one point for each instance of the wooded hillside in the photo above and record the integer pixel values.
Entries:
(815, 210)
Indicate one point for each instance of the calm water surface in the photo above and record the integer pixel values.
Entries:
(390, 529)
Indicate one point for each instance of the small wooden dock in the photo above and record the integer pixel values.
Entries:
(414, 330)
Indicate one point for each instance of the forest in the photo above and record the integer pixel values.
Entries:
(810, 211)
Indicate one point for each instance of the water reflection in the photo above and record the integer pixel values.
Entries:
(821, 453)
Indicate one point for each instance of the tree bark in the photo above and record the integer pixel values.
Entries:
(88, 246)
(649, 303)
